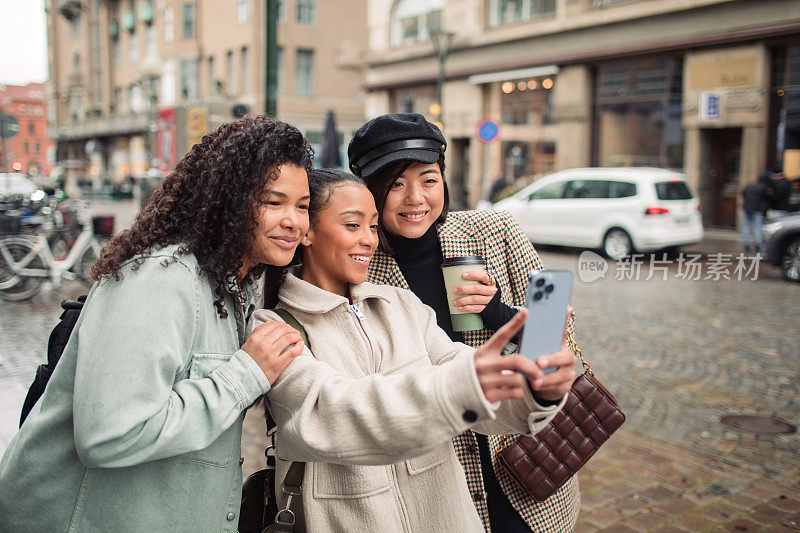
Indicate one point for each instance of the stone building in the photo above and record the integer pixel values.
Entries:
(134, 83)
(711, 87)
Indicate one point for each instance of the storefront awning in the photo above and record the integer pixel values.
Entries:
(545, 70)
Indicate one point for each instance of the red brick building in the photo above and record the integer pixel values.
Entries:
(27, 151)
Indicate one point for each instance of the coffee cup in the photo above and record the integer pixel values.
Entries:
(453, 269)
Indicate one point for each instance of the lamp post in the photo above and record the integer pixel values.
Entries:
(442, 44)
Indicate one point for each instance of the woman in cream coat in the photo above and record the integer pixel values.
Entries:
(373, 411)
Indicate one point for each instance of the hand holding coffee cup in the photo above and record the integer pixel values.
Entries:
(454, 270)
(476, 296)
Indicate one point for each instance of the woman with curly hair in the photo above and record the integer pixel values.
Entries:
(139, 428)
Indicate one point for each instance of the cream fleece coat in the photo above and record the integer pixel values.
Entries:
(374, 410)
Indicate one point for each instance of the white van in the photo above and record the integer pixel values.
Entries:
(619, 210)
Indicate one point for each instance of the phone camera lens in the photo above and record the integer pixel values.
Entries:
(537, 296)
(539, 282)
(548, 289)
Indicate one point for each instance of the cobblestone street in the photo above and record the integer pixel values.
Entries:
(677, 354)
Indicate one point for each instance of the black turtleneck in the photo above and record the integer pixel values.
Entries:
(420, 261)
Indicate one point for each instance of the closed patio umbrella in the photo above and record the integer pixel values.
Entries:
(330, 156)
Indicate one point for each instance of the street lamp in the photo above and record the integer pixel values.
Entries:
(151, 73)
(442, 44)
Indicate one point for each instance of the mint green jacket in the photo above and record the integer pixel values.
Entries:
(139, 428)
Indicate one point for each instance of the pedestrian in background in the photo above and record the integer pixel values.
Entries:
(781, 192)
(139, 428)
(401, 158)
(755, 199)
(373, 408)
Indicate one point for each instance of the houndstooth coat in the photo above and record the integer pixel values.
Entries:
(509, 256)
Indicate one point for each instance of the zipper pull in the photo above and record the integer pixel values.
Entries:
(357, 312)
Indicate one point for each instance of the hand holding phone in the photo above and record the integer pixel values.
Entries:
(547, 302)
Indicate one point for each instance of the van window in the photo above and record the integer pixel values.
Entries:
(586, 189)
(673, 190)
(622, 189)
(548, 192)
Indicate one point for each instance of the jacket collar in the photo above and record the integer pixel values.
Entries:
(459, 236)
(303, 296)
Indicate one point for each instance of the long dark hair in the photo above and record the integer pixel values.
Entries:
(380, 183)
(208, 204)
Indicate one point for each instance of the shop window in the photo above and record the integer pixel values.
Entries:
(638, 109)
(527, 101)
(503, 12)
(525, 160)
(414, 20)
(415, 100)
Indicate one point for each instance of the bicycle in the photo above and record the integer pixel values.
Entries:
(27, 260)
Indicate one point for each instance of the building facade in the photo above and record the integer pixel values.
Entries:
(134, 83)
(28, 151)
(710, 87)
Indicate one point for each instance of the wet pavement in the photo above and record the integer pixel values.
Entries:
(677, 353)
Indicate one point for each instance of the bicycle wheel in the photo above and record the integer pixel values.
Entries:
(15, 287)
(88, 258)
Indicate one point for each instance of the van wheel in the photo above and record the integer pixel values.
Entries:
(617, 244)
(790, 260)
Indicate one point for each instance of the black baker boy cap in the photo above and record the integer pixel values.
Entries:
(394, 137)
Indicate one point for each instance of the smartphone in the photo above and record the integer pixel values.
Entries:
(548, 297)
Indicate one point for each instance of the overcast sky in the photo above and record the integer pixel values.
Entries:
(23, 42)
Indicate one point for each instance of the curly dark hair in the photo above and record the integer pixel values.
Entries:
(208, 203)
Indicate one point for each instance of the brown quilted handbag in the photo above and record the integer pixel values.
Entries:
(542, 463)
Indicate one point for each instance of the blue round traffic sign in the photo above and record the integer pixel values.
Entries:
(488, 130)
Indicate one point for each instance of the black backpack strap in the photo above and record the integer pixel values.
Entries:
(55, 347)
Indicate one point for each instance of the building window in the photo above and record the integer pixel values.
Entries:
(188, 20)
(281, 11)
(527, 101)
(168, 91)
(97, 88)
(75, 27)
(279, 68)
(304, 73)
(230, 86)
(243, 11)
(38, 148)
(244, 71)
(189, 82)
(510, 11)
(638, 110)
(116, 54)
(212, 81)
(169, 24)
(133, 48)
(31, 128)
(135, 98)
(306, 12)
(27, 147)
(414, 20)
(150, 41)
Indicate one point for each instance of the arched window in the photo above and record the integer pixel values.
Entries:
(413, 20)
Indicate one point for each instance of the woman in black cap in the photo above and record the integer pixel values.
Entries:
(401, 157)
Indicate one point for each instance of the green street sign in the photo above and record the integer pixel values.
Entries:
(8, 126)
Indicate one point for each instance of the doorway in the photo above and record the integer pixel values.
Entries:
(458, 174)
(721, 151)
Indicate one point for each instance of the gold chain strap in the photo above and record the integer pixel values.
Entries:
(577, 352)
